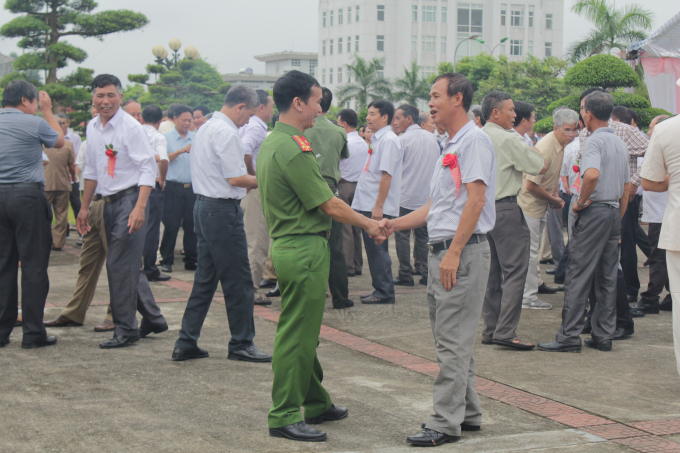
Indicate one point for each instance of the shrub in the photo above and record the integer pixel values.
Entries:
(605, 71)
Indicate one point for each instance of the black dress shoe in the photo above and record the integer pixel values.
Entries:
(276, 292)
(264, 283)
(587, 327)
(558, 281)
(179, 355)
(559, 288)
(666, 304)
(190, 267)
(121, 341)
(372, 300)
(250, 354)
(545, 289)
(431, 438)
(550, 261)
(463, 426)
(351, 275)
(423, 281)
(646, 308)
(145, 329)
(160, 278)
(604, 346)
(357, 273)
(622, 333)
(632, 299)
(400, 282)
(332, 414)
(636, 313)
(550, 271)
(262, 301)
(556, 346)
(4, 343)
(347, 303)
(166, 268)
(47, 341)
(299, 431)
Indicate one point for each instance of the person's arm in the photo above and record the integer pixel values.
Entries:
(252, 134)
(655, 186)
(136, 219)
(383, 190)
(540, 192)
(623, 201)
(245, 181)
(176, 154)
(340, 211)
(590, 178)
(72, 171)
(162, 172)
(248, 160)
(46, 109)
(524, 159)
(89, 187)
(565, 183)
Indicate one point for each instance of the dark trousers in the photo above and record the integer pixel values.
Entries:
(630, 236)
(74, 198)
(623, 317)
(178, 208)
(222, 258)
(420, 250)
(153, 234)
(26, 236)
(658, 272)
(561, 266)
(379, 263)
(337, 277)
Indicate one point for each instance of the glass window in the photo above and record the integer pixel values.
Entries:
(531, 48)
(443, 14)
(548, 21)
(312, 67)
(428, 43)
(429, 14)
(323, 76)
(470, 18)
(349, 15)
(331, 47)
(515, 47)
(517, 18)
(349, 44)
(356, 8)
(340, 16)
(323, 47)
(356, 44)
(414, 13)
(339, 45)
(381, 43)
(531, 18)
(339, 75)
(330, 75)
(295, 62)
(476, 18)
(323, 19)
(548, 49)
(414, 43)
(503, 18)
(381, 13)
(443, 45)
(332, 12)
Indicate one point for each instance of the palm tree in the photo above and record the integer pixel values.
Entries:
(367, 83)
(412, 87)
(613, 27)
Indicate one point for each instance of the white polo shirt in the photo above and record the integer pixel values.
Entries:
(421, 152)
(350, 168)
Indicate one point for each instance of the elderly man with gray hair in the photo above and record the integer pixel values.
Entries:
(221, 179)
(541, 192)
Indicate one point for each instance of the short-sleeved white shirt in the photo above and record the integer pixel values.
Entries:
(252, 135)
(477, 161)
(387, 156)
(158, 143)
(350, 168)
(421, 152)
(217, 155)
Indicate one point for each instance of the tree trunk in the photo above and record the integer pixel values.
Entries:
(54, 38)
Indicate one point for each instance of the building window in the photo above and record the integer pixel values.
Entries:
(531, 48)
(429, 14)
(548, 49)
(414, 43)
(428, 43)
(312, 67)
(381, 13)
(323, 20)
(323, 47)
(323, 76)
(339, 75)
(443, 14)
(503, 18)
(331, 47)
(339, 45)
(414, 13)
(349, 44)
(330, 76)
(502, 49)
(295, 62)
(356, 8)
(427, 71)
(349, 15)
(443, 45)
(380, 74)
(381, 43)
(356, 44)
(548, 21)
(340, 16)
(470, 18)
(517, 18)
(332, 12)
(531, 18)
(515, 47)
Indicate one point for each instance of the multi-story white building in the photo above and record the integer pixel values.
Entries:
(281, 62)
(429, 31)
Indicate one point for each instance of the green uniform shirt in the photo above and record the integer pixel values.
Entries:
(513, 159)
(291, 185)
(329, 143)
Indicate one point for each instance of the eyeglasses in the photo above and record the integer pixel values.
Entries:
(571, 132)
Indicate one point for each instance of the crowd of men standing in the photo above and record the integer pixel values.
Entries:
(291, 208)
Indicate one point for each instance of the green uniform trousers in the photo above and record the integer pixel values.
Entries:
(302, 265)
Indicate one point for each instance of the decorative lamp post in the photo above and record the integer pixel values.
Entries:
(502, 41)
(469, 38)
(160, 53)
(191, 53)
(175, 44)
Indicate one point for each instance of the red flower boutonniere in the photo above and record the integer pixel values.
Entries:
(368, 162)
(576, 169)
(451, 161)
(111, 154)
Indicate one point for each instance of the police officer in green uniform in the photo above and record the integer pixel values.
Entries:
(298, 207)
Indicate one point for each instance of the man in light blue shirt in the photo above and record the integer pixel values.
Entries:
(178, 196)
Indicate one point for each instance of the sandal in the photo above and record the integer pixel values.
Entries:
(515, 343)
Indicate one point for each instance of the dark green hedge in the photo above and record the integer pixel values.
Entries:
(605, 71)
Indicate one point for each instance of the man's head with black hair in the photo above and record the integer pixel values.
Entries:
(622, 115)
(152, 115)
(526, 117)
(199, 112)
(20, 93)
(380, 114)
(326, 99)
(298, 97)
(107, 95)
(348, 119)
(405, 116)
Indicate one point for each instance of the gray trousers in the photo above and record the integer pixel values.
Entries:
(556, 229)
(454, 316)
(509, 242)
(403, 242)
(128, 285)
(351, 235)
(593, 254)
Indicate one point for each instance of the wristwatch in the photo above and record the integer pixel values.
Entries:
(582, 205)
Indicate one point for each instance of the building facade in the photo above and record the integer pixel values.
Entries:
(429, 31)
(276, 64)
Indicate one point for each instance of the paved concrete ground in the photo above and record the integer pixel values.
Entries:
(74, 397)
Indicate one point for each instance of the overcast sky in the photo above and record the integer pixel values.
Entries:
(229, 34)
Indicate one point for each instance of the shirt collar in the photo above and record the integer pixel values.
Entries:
(10, 110)
(463, 130)
(222, 117)
(114, 121)
(489, 124)
(555, 144)
(174, 134)
(412, 128)
(354, 134)
(378, 135)
(256, 120)
(286, 128)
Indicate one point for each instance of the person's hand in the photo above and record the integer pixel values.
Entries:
(569, 192)
(45, 101)
(81, 222)
(448, 269)
(376, 232)
(386, 228)
(632, 191)
(578, 207)
(136, 219)
(377, 213)
(186, 149)
(557, 204)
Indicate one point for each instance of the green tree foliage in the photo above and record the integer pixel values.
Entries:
(411, 87)
(544, 126)
(442, 68)
(364, 83)
(476, 68)
(613, 27)
(43, 23)
(647, 115)
(573, 102)
(606, 71)
(192, 82)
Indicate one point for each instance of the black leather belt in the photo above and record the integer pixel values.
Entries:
(97, 197)
(218, 200)
(121, 194)
(507, 199)
(324, 234)
(444, 245)
(184, 185)
(23, 185)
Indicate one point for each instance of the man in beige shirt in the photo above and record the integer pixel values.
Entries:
(540, 192)
(661, 172)
(59, 173)
(509, 240)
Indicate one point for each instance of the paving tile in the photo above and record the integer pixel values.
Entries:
(581, 420)
(660, 427)
(649, 444)
(614, 431)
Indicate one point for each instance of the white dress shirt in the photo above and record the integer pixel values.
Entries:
(421, 152)
(217, 155)
(75, 139)
(135, 163)
(350, 168)
(570, 152)
(387, 156)
(252, 135)
(166, 126)
(158, 143)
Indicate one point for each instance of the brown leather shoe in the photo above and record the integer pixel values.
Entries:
(62, 321)
(105, 326)
(18, 322)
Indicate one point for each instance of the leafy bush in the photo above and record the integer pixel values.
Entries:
(647, 115)
(544, 126)
(632, 101)
(573, 102)
(605, 71)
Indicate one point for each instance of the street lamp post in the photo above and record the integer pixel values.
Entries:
(175, 44)
(502, 41)
(469, 38)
